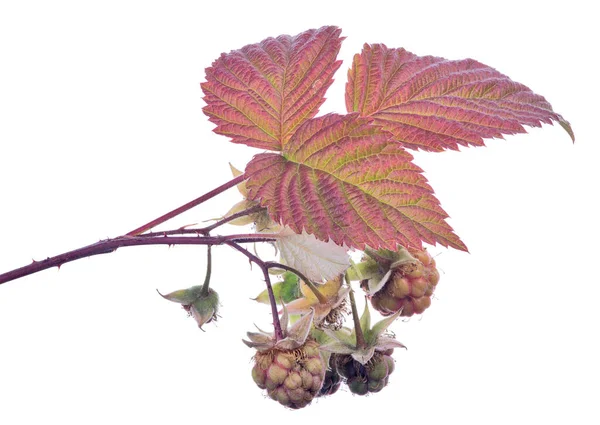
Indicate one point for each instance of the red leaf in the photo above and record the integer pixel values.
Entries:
(342, 178)
(433, 104)
(260, 94)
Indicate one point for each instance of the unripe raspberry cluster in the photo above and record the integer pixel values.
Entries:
(313, 358)
(409, 287)
(371, 377)
(291, 377)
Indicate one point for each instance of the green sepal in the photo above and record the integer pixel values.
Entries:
(365, 319)
(371, 335)
(184, 296)
(364, 270)
(344, 341)
(205, 308)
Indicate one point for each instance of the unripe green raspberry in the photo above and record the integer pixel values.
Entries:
(332, 380)
(370, 377)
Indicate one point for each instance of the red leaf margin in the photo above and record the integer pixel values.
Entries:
(260, 94)
(266, 95)
(433, 104)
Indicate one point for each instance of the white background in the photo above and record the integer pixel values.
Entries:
(101, 130)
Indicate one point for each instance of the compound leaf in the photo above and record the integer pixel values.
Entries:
(341, 178)
(260, 94)
(433, 104)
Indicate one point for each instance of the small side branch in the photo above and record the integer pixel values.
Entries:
(187, 206)
(265, 269)
(249, 211)
(311, 286)
(205, 230)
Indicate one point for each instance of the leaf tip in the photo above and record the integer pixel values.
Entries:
(567, 126)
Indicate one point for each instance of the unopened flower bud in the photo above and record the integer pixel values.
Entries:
(201, 305)
(204, 309)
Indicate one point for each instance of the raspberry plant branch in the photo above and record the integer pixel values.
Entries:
(231, 183)
(309, 283)
(110, 245)
(276, 322)
(332, 183)
(248, 211)
(135, 237)
(265, 266)
(204, 230)
(265, 269)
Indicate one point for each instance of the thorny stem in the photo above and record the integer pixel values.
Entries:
(265, 266)
(360, 338)
(134, 238)
(204, 230)
(265, 269)
(187, 206)
(276, 322)
(248, 211)
(204, 290)
(110, 245)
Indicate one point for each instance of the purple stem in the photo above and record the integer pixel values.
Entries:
(187, 206)
(205, 230)
(311, 286)
(265, 269)
(109, 245)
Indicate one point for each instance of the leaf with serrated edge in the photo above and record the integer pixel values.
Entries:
(341, 178)
(434, 104)
(260, 94)
(316, 259)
